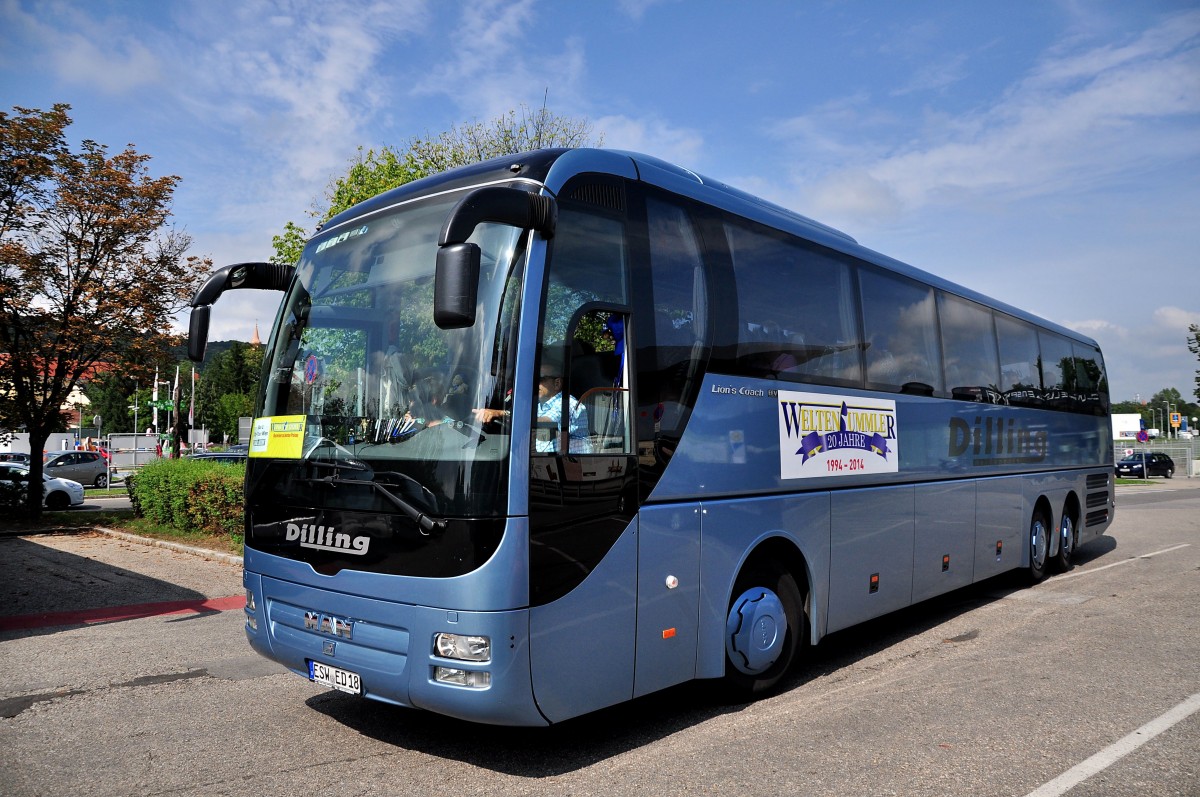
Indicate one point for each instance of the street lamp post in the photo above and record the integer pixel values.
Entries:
(135, 407)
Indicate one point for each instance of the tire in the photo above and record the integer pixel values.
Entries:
(1066, 543)
(1170, 472)
(58, 501)
(765, 628)
(1039, 545)
(101, 481)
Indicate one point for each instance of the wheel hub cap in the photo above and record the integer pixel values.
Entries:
(755, 630)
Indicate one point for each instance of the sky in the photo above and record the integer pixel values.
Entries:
(1045, 153)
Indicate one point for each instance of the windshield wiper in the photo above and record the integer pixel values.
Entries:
(426, 523)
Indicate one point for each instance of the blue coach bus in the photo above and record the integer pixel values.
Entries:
(550, 432)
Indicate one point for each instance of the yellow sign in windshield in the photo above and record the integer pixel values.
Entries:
(280, 437)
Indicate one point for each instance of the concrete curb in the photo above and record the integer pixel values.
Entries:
(205, 553)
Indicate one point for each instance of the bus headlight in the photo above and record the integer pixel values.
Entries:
(251, 611)
(469, 678)
(462, 647)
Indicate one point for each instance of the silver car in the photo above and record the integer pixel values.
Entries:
(85, 467)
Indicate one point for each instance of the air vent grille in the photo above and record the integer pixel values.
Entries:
(609, 196)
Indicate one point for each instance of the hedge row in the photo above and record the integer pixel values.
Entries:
(190, 495)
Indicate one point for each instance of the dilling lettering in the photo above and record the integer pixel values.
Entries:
(326, 538)
(997, 441)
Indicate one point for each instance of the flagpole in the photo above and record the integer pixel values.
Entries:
(154, 397)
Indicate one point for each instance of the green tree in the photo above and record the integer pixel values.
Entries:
(1194, 347)
(1170, 400)
(110, 395)
(226, 389)
(373, 172)
(89, 268)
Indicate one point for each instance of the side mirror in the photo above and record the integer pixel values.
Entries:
(263, 276)
(456, 285)
(198, 332)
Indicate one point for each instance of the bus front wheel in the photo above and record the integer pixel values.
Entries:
(764, 629)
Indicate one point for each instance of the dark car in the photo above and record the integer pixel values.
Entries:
(14, 456)
(221, 456)
(1142, 466)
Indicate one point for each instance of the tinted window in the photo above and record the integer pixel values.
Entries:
(900, 322)
(969, 349)
(797, 314)
(1020, 376)
(673, 355)
(1090, 376)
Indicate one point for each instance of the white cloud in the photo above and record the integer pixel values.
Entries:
(855, 193)
(636, 9)
(935, 76)
(652, 136)
(490, 67)
(1176, 319)
(94, 53)
(301, 88)
(1082, 117)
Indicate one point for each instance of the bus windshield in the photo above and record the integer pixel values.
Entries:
(365, 396)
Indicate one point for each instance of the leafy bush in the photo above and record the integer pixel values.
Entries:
(190, 494)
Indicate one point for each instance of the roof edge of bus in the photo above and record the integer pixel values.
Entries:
(536, 165)
(523, 166)
(647, 165)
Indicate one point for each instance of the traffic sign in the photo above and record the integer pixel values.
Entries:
(1142, 437)
(163, 404)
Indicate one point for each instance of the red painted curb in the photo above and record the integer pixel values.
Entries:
(110, 614)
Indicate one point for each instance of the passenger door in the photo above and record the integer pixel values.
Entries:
(582, 469)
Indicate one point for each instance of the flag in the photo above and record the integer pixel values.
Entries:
(192, 400)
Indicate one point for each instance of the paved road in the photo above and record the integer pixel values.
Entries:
(95, 503)
(998, 689)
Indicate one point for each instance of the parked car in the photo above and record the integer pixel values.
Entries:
(221, 456)
(1145, 465)
(57, 494)
(86, 467)
(14, 456)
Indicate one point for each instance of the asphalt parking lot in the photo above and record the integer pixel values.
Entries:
(126, 672)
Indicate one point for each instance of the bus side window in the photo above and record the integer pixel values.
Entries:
(587, 267)
(670, 369)
(797, 313)
(1020, 382)
(969, 349)
(600, 379)
(900, 319)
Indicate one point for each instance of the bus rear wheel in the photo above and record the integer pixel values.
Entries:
(1066, 543)
(1039, 545)
(764, 630)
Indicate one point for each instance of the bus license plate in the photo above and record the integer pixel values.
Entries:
(335, 678)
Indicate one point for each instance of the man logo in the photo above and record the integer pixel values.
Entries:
(325, 624)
